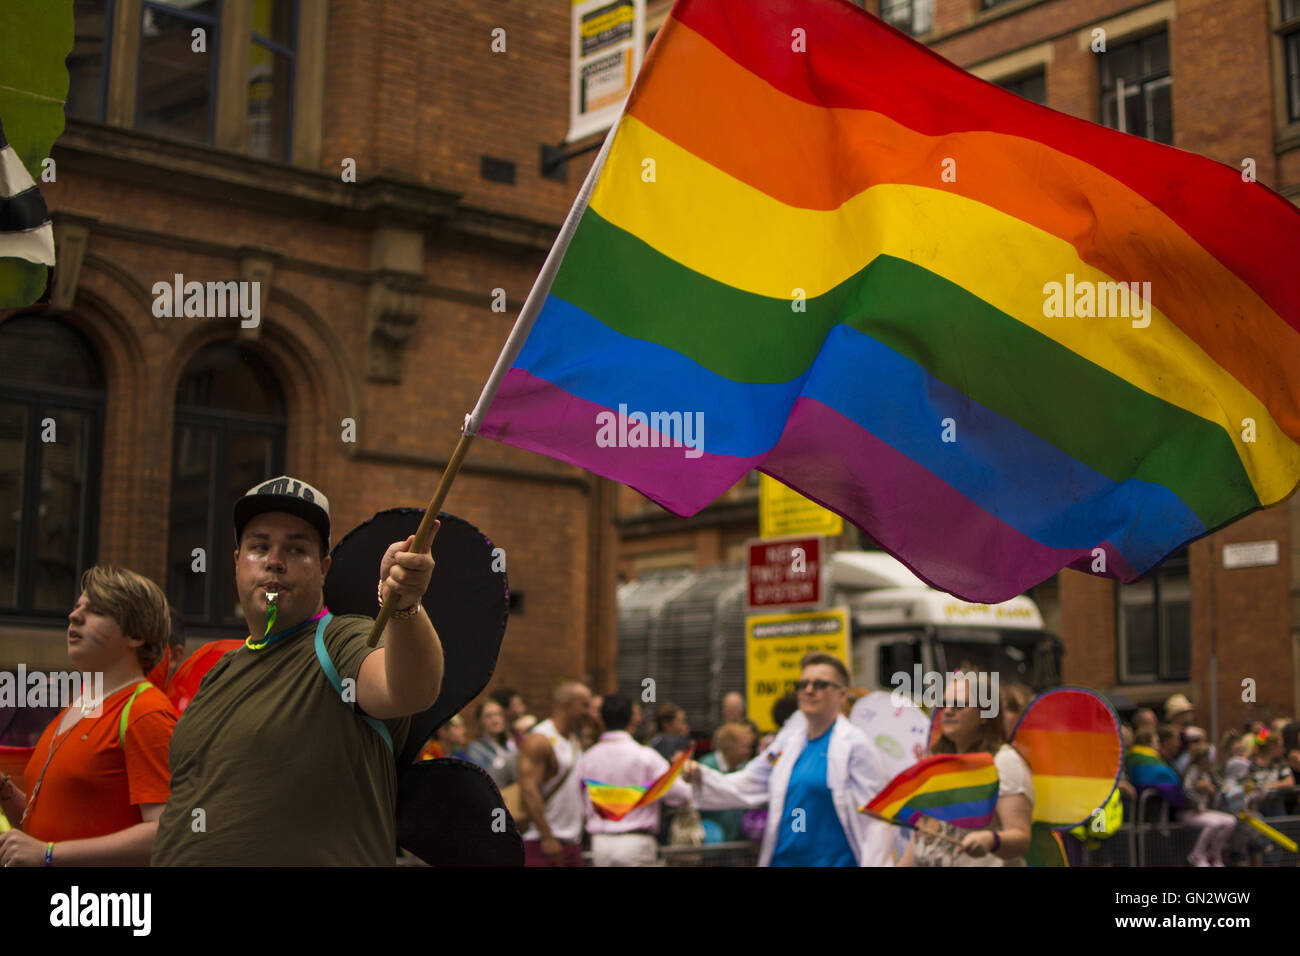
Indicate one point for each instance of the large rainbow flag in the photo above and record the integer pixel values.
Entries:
(615, 801)
(999, 339)
(961, 789)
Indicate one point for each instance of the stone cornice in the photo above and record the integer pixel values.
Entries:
(200, 171)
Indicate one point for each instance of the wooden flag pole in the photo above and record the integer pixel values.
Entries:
(523, 325)
(910, 826)
(424, 533)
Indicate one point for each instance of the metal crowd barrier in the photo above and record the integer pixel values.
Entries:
(710, 854)
(1151, 836)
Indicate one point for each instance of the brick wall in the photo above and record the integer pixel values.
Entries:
(414, 94)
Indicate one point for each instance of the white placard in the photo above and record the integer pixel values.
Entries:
(607, 39)
(1250, 554)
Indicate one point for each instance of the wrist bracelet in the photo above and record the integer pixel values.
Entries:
(49, 854)
(997, 841)
(404, 613)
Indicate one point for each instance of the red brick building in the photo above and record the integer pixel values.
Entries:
(376, 167)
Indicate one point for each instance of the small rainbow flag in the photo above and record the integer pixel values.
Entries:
(1148, 770)
(615, 801)
(960, 789)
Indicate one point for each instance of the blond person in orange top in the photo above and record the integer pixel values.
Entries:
(86, 799)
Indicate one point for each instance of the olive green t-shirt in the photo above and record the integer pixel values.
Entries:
(285, 772)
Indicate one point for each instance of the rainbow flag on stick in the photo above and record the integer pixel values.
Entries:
(1148, 770)
(961, 789)
(614, 801)
(991, 335)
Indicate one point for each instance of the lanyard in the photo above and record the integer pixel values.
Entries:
(54, 747)
(248, 641)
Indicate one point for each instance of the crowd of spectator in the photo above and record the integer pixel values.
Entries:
(1253, 769)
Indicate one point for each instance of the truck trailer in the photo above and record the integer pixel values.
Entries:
(684, 633)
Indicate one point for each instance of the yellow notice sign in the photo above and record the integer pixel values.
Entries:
(774, 645)
(782, 511)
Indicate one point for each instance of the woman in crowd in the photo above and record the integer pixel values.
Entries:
(965, 730)
(491, 750)
(1202, 792)
(98, 779)
(1270, 774)
(1015, 698)
(812, 778)
(733, 747)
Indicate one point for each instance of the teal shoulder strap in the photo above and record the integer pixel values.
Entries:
(327, 665)
(126, 713)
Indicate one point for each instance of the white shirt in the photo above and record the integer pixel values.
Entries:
(564, 809)
(1013, 778)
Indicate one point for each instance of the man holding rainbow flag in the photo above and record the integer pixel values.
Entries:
(812, 778)
(622, 813)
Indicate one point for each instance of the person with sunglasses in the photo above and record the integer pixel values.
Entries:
(811, 778)
(966, 729)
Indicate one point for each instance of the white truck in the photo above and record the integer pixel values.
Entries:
(686, 631)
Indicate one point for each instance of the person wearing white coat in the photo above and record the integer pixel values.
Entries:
(812, 778)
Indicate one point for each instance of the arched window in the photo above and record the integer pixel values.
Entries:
(51, 434)
(229, 436)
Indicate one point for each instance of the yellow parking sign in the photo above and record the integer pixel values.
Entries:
(783, 511)
(775, 643)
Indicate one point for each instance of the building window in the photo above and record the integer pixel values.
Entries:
(51, 433)
(1136, 89)
(176, 83)
(88, 61)
(230, 434)
(272, 61)
(1290, 32)
(911, 16)
(1032, 86)
(1155, 628)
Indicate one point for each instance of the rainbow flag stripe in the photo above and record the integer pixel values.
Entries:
(615, 801)
(1148, 770)
(960, 789)
(772, 254)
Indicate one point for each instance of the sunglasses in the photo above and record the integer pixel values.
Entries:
(802, 685)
